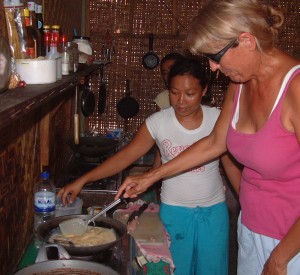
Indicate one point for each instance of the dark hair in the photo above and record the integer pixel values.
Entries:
(171, 56)
(193, 67)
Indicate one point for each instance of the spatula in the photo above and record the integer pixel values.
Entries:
(78, 226)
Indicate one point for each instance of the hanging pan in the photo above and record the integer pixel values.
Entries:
(150, 60)
(87, 101)
(127, 107)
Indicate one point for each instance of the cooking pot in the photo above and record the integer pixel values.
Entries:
(50, 227)
(63, 265)
(96, 146)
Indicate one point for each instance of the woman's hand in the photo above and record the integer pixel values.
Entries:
(73, 189)
(272, 267)
(135, 185)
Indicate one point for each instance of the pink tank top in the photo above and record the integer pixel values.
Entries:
(270, 184)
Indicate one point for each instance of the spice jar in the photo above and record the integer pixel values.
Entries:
(71, 56)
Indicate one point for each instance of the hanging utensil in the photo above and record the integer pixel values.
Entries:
(102, 92)
(150, 60)
(127, 107)
(78, 226)
(76, 118)
(87, 101)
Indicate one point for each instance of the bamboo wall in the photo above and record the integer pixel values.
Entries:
(130, 22)
(20, 149)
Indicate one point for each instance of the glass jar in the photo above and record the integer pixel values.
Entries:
(71, 56)
(75, 56)
(65, 60)
(84, 47)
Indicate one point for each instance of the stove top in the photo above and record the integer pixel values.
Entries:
(78, 166)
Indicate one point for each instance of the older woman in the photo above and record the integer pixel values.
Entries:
(260, 126)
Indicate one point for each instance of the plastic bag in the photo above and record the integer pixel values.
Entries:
(16, 28)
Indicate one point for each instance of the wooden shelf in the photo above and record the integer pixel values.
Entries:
(18, 102)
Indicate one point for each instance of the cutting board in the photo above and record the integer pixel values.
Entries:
(149, 230)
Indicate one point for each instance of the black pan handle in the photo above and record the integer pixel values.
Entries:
(137, 213)
(151, 40)
(127, 87)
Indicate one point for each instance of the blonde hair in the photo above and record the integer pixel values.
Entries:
(221, 21)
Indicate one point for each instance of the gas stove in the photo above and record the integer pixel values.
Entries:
(79, 165)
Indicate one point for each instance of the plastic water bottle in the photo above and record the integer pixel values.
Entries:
(44, 202)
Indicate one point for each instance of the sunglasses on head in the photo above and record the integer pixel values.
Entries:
(217, 56)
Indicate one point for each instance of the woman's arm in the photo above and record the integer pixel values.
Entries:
(233, 171)
(200, 152)
(139, 146)
(157, 159)
(289, 246)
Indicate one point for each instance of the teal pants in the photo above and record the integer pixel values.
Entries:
(199, 238)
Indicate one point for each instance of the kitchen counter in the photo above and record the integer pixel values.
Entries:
(18, 102)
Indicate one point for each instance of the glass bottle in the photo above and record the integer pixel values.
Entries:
(54, 54)
(71, 56)
(47, 38)
(40, 25)
(65, 60)
(36, 33)
(30, 41)
(75, 56)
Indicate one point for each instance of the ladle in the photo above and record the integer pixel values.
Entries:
(78, 226)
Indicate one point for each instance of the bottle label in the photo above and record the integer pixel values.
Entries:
(44, 201)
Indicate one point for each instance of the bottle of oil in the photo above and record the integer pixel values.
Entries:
(30, 41)
(35, 31)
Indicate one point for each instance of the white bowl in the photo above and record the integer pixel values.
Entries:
(35, 71)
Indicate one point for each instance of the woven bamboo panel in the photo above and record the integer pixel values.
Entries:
(130, 22)
(19, 151)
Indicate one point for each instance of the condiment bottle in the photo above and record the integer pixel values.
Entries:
(33, 23)
(30, 41)
(40, 25)
(75, 56)
(54, 54)
(70, 46)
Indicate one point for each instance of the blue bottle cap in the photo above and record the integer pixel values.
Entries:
(45, 175)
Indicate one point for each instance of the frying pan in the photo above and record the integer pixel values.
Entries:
(87, 101)
(150, 60)
(50, 227)
(63, 267)
(127, 107)
(61, 264)
(102, 92)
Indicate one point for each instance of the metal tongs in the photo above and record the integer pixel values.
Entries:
(78, 226)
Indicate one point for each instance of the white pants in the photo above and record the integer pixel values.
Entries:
(254, 251)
